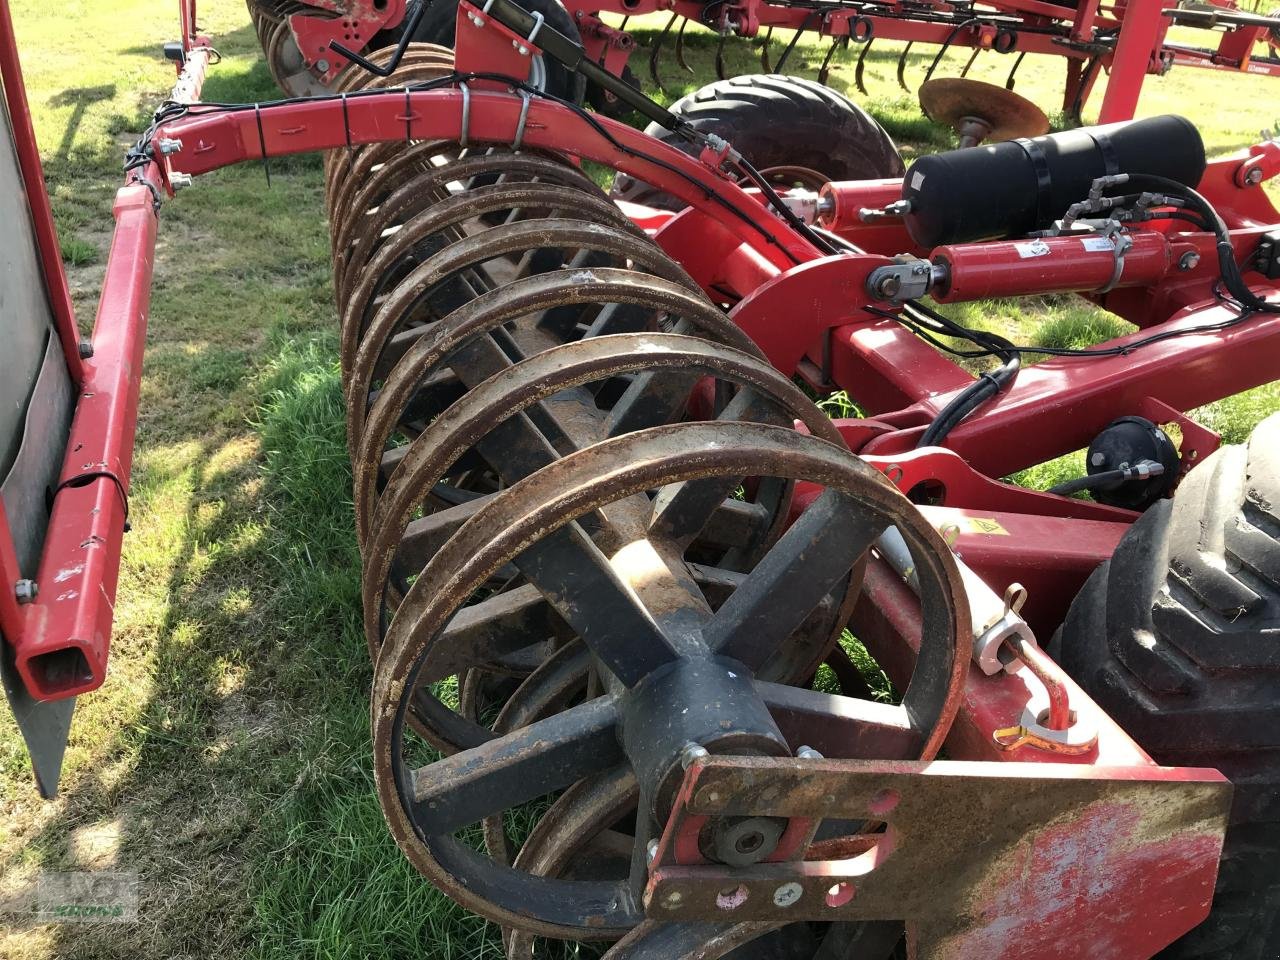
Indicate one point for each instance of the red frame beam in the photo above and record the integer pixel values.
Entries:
(61, 639)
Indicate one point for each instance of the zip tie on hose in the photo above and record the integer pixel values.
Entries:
(262, 143)
(518, 139)
(464, 135)
(156, 196)
(346, 132)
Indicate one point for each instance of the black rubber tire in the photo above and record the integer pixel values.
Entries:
(438, 26)
(1177, 637)
(778, 121)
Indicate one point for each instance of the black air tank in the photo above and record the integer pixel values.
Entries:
(1010, 189)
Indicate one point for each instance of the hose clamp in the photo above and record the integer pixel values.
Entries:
(518, 139)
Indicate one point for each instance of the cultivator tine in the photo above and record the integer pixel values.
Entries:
(764, 51)
(1013, 71)
(1075, 111)
(968, 65)
(680, 46)
(657, 50)
(824, 72)
(795, 39)
(902, 66)
(859, 71)
(720, 74)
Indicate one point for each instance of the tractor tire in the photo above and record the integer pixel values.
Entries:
(438, 24)
(1176, 637)
(795, 131)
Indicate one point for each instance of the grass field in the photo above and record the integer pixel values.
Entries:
(225, 760)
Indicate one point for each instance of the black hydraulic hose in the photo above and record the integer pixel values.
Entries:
(979, 392)
(1109, 479)
(1229, 270)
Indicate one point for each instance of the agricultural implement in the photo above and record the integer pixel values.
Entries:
(309, 44)
(666, 657)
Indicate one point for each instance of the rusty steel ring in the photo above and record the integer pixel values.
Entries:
(426, 806)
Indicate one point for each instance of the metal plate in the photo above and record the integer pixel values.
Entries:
(990, 860)
(25, 317)
(39, 446)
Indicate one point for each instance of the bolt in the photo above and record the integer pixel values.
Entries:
(520, 48)
(1253, 177)
(787, 894)
(167, 145)
(673, 899)
(889, 287)
(651, 852)
(707, 797)
(26, 591)
(808, 753)
(690, 753)
(322, 66)
(1189, 260)
(180, 181)
(85, 349)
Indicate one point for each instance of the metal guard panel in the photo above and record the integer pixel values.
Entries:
(983, 860)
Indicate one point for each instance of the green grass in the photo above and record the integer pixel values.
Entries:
(226, 758)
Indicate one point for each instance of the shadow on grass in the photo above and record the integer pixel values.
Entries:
(81, 98)
(247, 797)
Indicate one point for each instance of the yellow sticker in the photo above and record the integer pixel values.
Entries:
(987, 525)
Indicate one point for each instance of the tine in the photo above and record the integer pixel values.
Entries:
(680, 46)
(764, 51)
(1008, 84)
(972, 57)
(824, 71)
(622, 27)
(858, 73)
(657, 49)
(720, 75)
(902, 67)
(786, 54)
(1082, 90)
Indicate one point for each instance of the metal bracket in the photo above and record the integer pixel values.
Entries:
(990, 835)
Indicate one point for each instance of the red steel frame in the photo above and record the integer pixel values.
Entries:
(741, 254)
(1048, 542)
(1127, 38)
